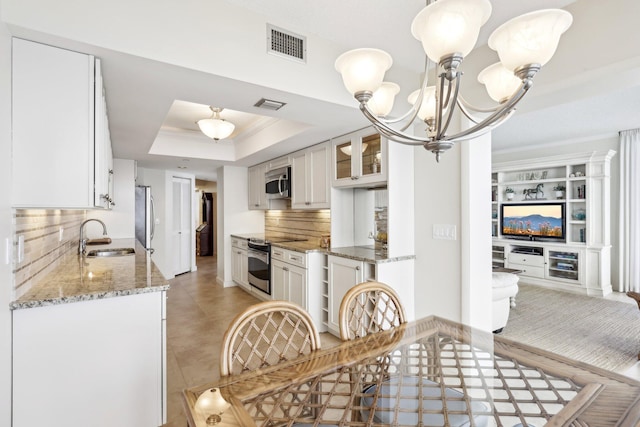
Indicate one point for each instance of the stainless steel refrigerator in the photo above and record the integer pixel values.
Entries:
(145, 216)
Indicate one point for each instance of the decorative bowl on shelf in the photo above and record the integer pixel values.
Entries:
(579, 214)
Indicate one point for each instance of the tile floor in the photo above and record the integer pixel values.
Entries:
(198, 313)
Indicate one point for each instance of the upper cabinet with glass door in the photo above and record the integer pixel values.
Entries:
(359, 159)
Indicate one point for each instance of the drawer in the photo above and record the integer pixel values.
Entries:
(239, 243)
(524, 259)
(296, 258)
(531, 271)
(290, 257)
(278, 253)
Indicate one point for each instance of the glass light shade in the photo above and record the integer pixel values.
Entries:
(363, 69)
(381, 103)
(450, 26)
(499, 82)
(427, 109)
(531, 38)
(216, 128)
(347, 148)
(211, 402)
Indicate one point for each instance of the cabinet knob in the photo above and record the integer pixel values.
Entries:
(285, 269)
(357, 268)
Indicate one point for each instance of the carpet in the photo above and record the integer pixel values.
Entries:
(593, 330)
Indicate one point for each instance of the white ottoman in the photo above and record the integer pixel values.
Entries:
(505, 288)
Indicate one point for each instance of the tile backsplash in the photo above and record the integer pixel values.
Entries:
(43, 245)
(299, 224)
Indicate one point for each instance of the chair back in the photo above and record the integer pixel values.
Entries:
(265, 334)
(367, 308)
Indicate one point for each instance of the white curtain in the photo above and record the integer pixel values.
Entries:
(629, 254)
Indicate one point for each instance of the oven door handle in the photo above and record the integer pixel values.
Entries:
(262, 256)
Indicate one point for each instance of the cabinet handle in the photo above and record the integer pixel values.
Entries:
(285, 269)
(295, 258)
(277, 253)
(239, 253)
(357, 268)
(307, 203)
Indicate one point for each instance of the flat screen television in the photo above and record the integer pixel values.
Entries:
(533, 221)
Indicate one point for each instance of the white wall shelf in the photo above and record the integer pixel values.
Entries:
(581, 262)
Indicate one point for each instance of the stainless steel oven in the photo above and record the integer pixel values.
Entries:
(259, 264)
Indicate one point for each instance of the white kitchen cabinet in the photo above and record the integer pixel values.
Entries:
(257, 194)
(310, 172)
(54, 127)
(289, 283)
(103, 194)
(344, 273)
(239, 262)
(359, 159)
(299, 277)
(98, 363)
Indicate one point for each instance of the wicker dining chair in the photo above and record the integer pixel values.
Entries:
(265, 334)
(372, 307)
(367, 308)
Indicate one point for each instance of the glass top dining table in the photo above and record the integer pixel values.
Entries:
(428, 372)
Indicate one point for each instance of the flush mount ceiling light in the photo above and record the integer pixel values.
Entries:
(448, 30)
(215, 127)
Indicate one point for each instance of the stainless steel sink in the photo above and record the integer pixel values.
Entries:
(110, 252)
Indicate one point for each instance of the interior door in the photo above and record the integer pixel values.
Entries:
(181, 225)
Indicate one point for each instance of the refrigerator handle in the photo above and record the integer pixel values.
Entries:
(153, 218)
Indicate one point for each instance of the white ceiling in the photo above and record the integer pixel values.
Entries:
(153, 105)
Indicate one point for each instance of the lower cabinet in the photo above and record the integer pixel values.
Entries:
(239, 263)
(99, 363)
(289, 283)
(344, 273)
(299, 277)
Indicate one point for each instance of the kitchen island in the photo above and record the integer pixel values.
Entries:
(89, 343)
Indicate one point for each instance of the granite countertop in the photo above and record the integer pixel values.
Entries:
(360, 253)
(79, 278)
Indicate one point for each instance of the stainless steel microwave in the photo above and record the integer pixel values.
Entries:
(278, 183)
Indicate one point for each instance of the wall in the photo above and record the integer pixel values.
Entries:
(233, 216)
(6, 284)
(120, 220)
(438, 262)
(298, 224)
(582, 146)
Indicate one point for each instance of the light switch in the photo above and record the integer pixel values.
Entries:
(444, 231)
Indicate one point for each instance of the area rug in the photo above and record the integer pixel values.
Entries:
(593, 330)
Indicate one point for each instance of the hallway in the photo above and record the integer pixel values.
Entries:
(198, 313)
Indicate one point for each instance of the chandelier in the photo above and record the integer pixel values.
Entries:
(215, 127)
(448, 30)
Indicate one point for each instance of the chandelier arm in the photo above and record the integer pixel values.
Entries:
(484, 130)
(413, 112)
(400, 139)
(507, 107)
(467, 113)
(439, 106)
(451, 107)
(469, 106)
(388, 131)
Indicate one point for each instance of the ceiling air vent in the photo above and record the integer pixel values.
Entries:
(286, 44)
(269, 104)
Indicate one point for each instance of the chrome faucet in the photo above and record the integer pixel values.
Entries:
(82, 246)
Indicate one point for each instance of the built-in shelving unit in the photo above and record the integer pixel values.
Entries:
(325, 291)
(582, 260)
